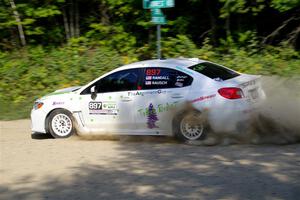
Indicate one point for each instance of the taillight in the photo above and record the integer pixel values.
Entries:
(231, 93)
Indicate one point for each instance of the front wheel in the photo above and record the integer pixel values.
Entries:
(61, 124)
(190, 126)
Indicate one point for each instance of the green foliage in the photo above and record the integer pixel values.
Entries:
(112, 36)
(33, 72)
(241, 6)
(242, 40)
(179, 46)
(284, 5)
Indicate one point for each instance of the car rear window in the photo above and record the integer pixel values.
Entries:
(214, 71)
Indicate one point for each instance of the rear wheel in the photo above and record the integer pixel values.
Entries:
(190, 126)
(61, 124)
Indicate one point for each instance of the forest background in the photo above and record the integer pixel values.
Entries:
(50, 44)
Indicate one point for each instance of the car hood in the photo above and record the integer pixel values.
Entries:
(69, 89)
(62, 91)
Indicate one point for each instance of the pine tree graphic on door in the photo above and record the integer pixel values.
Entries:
(152, 117)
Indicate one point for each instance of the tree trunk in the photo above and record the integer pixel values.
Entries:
(66, 24)
(18, 20)
(293, 37)
(71, 15)
(213, 22)
(77, 29)
(269, 38)
(227, 25)
(104, 15)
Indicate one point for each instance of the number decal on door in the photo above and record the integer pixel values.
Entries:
(95, 105)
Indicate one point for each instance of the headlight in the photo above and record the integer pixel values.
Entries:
(37, 105)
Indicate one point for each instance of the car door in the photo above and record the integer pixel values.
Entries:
(163, 91)
(110, 109)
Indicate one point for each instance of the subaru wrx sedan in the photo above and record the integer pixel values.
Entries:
(186, 98)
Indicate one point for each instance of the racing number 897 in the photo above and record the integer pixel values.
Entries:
(95, 105)
(153, 72)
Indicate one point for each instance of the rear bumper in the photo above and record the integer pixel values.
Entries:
(232, 118)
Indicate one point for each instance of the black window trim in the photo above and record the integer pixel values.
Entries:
(91, 85)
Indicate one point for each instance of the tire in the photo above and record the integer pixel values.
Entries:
(190, 126)
(60, 124)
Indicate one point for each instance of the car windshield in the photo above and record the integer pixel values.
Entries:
(214, 71)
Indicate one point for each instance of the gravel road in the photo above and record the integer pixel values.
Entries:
(158, 169)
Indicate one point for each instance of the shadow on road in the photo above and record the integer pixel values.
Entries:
(175, 171)
(41, 136)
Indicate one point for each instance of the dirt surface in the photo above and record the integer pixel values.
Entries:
(148, 169)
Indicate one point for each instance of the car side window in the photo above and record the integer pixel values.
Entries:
(124, 80)
(159, 78)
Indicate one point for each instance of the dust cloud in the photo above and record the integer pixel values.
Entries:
(278, 118)
(275, 121)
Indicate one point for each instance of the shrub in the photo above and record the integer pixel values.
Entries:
(32, 72)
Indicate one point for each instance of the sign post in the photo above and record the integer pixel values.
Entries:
(158, 42)
(158, 17)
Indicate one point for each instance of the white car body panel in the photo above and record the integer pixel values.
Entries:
(126, 112)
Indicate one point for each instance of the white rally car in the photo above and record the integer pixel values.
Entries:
(181, 97)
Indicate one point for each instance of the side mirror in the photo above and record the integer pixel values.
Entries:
(93, 89)
(93, 92)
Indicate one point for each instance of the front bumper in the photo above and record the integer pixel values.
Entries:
(38, 118)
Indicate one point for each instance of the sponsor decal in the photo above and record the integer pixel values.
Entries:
(135, 94)
(203, 98)
(159, 82)
(147, 92)
(103, 108)
(218, 79)
(181, 78)
(57, 103)
(159, 108)
(252, 82)
(155, 79)
(103, 112)
(160, 77)
(156, 82)
(109, 105)
(178, 84)
(199, 67)
(151, 117)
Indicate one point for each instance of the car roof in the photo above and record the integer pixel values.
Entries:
(169, 63)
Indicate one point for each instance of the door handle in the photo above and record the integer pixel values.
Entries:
(177, 96)
(126, 99)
